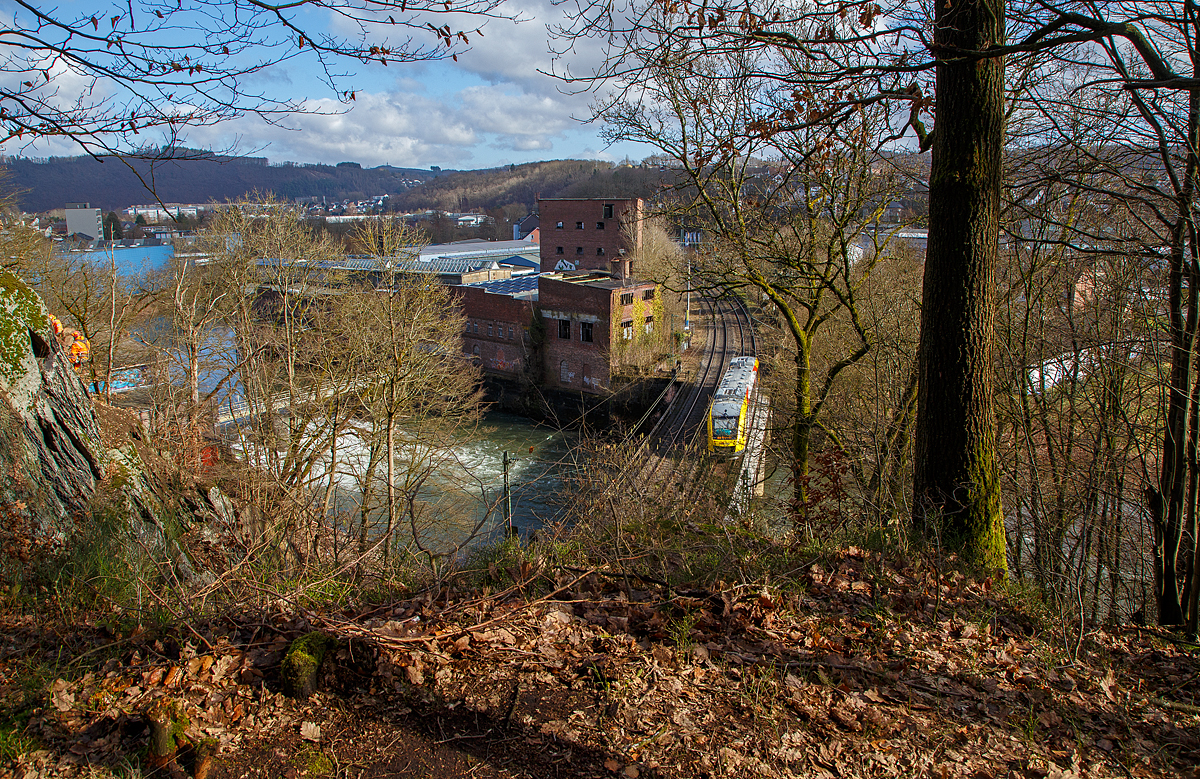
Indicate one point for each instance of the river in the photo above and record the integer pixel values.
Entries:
(462, 483)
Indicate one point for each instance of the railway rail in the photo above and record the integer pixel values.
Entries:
(673, 455)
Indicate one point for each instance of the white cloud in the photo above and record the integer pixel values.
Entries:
(492, 107)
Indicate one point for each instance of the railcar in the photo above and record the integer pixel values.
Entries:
(729, 415)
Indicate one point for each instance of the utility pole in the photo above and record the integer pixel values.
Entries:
(508, 516)
(687, 312)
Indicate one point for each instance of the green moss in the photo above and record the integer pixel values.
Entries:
(316, 763)
(13, 744)
(300, 666)
(170, 723)
(21, 310)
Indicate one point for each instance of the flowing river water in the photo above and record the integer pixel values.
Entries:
(462, 481)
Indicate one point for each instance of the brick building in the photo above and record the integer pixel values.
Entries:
(579, 310)
(497, 330)
(590, 234)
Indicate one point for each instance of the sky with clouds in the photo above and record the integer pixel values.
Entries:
(492, 107)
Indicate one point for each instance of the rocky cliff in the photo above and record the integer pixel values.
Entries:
(50, 443)
(75, 475)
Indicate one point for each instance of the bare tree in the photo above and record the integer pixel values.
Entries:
(1118, 131)
(145, 69)
(420, 390)
(1078, 372)
(194, 354)
(820, 64)
(790, 212)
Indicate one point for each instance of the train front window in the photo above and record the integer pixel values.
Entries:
(724, 427)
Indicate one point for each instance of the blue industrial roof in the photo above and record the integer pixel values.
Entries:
(132, 259)
(521, 261)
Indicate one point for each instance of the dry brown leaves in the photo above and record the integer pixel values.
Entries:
(866, 669)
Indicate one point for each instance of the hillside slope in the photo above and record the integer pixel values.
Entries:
(113, 184)
(854, 666)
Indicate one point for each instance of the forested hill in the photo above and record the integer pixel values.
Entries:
(524, 184)
(113, 184)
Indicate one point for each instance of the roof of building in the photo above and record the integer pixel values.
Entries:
(447, 265)
(594, 278)
(362, 263)
(529, 262)
(409, 265)
(478, 249)
(450, 264)
(516, 286)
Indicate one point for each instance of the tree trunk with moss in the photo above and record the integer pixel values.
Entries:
(300, 665)
(168, 721)
(956, 488)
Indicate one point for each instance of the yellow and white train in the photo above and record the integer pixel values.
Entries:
(729, 416)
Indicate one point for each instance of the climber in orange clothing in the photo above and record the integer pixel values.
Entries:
(78, 347)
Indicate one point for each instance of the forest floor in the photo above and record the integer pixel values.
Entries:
(856, 665)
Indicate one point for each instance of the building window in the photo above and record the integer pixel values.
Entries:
(648, 295)
(558, 250)
(599, 251)
(579, 225)
(558, 226)
(489, 330)
(608, 210)
(585, 332)
(564, 373)
(564, 329)
(477, 327)
(599, 225)
(510, 332)
(475, 351)
(627, 298)
(649, 324)
(579, 250)
(627, 329)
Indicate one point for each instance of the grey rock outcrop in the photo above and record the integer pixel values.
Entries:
(52, 448)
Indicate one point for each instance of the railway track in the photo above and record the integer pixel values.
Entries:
(673, 456)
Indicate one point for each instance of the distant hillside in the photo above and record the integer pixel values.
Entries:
(522, 185)
(111, 184)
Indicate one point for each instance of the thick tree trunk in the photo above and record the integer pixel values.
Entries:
(956, 486)
(802, 424)
(1168, 511)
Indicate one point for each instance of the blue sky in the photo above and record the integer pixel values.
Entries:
(490, 108)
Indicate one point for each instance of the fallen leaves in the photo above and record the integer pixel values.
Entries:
(867, 671)
(310, 731)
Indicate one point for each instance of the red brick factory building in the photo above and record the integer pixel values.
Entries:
(590, 234)
(588, 301)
